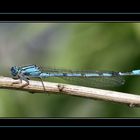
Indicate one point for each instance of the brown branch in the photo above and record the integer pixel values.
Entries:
(92, 93)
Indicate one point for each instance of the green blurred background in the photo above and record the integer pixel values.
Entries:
(91, 46)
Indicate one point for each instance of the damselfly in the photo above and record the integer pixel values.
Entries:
(88, 78)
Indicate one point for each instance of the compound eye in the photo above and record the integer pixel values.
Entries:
(14, 71)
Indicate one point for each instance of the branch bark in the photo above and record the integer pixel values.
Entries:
(58, 88)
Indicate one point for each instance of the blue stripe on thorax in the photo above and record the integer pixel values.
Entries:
(31, 70)
(28, 67)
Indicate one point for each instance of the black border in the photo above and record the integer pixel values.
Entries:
(69, 17)
(70, 6)
(70, 122)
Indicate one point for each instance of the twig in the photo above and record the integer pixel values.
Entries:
(93, 93)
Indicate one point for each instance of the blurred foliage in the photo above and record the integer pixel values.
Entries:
(91, 46)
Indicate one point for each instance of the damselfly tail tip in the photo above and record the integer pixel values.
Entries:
(136, 72)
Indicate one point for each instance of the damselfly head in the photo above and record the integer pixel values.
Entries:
(14, 70)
